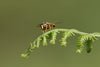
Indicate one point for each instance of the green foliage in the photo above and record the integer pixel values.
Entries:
(84, 41)
(66, 35)
(44, 40)
(53, 37)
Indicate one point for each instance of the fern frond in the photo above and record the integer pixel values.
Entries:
(53, 37)
(66, 35)
(84, 40)
(44, 40)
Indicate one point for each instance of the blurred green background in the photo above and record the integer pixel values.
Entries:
(18, 27)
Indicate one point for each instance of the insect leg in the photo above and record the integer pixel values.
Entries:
(42, 31)
(46, 28)
(42, 28)
(51, 26)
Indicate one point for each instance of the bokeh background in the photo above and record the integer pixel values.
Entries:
(19, 21)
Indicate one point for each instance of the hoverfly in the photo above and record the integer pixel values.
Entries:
(46, 25)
